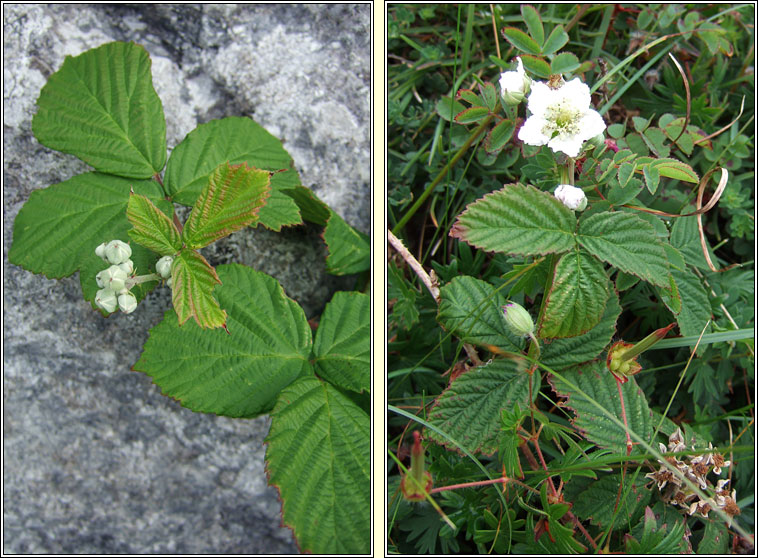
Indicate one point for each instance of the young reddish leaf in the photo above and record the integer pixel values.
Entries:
(152, 228)
(230, 201)
(236, 140)
(193, 280)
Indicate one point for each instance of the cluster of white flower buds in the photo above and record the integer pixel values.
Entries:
(114, 281)
(696, 470)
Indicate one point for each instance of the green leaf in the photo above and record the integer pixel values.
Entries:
(563, 63)
(670, 296)
(517, 220)
(229, 202)
(61, 225)
(599, 385)
(318, 456)
(349, 249)
(311, 207)
(561, 353)
(671, 168)
(101, 107)
(472, 114)
(595, 499)
(625, 172)
(193, 280)
(533, 23)
(618, 195)
(555, 41)
(489, 94)
(152, 228)
(239, 373)
(652, 178)
(470, 96)
(715, 539)
(469, 409)
(447, 108)
(577, 298)
(472, 311)
(536, 65)
(696, 307)
(626, 242)
(685, 238)
(625, 281)
(342, 347)
(235, 140)
(498, 136)
(521, 40)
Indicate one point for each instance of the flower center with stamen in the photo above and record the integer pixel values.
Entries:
(563, 119)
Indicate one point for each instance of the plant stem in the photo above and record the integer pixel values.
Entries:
(429, 189)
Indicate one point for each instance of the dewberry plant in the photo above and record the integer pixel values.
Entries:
(571, 346)
(233, 344)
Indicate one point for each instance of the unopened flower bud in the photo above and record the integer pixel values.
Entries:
(106, 299)
(169, 282)
(100, 251)
(117, 252)
(113, 278)
(518, 319)
(514, 86)
(417, 484)
(127, 267)
(163, 266)
(127, 302)
(571, 196)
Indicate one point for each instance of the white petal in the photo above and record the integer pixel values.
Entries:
(540, 98)
(569, 145)
(511, 81)
(591, 124)
(531, 131)
(577, 92)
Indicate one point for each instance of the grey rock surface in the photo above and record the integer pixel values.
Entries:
(96, 460)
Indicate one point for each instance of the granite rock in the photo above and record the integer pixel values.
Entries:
(96, 460)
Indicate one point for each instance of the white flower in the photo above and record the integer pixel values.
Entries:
(561, 118)
(571, 196)
(514, 86)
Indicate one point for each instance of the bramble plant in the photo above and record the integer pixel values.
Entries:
(248, 349)
(564, 187)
